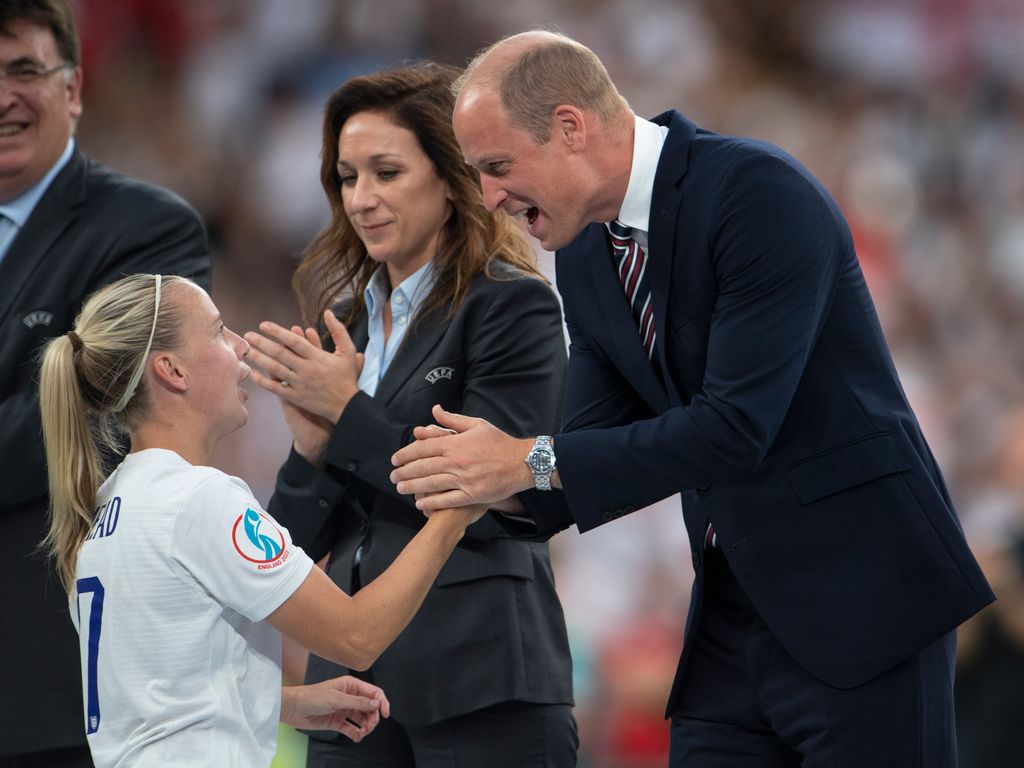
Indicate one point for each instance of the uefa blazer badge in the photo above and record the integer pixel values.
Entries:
(436, 374)
(39, 317)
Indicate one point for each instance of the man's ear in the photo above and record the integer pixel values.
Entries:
(74, 90)
(168, 372)
(569, 125)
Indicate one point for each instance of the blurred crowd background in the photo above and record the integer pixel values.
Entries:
(910, 111)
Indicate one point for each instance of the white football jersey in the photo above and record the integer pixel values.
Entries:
(177, 573)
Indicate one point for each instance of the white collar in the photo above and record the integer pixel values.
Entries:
(648, 140)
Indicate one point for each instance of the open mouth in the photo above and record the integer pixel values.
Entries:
(529, 215)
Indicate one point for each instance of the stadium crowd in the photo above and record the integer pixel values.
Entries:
(911, 113)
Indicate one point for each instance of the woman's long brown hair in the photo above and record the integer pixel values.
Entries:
(336, 263)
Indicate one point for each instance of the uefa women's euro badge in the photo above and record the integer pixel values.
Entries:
(259, 540)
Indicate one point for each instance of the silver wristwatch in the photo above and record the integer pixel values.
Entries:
(541, 461)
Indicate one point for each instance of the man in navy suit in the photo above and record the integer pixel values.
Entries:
(67, 227)
(723, 345)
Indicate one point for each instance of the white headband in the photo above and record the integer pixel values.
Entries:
(134, 383)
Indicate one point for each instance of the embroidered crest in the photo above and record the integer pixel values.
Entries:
(439, 373)
(39, 317)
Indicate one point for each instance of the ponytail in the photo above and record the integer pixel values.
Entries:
(72, 457)
(92, 391)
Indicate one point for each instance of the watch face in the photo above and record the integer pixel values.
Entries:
(540, 461)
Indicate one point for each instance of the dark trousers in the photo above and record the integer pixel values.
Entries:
(747, 703)
(509, 735)
(68, 757)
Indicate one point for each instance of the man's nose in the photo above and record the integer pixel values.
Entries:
(6, 92)
(494, 193)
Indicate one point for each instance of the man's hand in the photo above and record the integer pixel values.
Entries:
(466, 461)
(345, 704)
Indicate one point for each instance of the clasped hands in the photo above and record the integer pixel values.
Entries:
(462, 461)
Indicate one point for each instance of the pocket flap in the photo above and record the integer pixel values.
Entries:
(497, 557)
(845, 467)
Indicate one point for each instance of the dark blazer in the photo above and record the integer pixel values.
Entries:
(91, 227)
(773, 406)
(491, 628)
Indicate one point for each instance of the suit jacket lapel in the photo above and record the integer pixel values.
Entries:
(666, 200)
(55, 212)
(419, 341)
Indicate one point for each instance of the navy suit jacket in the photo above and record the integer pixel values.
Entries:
(773, 406)
(491, 629)
(91, 227)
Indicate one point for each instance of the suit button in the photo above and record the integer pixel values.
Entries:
(362, 526)
(323, 503)
(608, 516)
(351, 466)
(696, 560)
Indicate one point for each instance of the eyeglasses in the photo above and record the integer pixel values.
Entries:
(29, 74)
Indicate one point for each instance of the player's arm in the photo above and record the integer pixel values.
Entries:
(354, 630)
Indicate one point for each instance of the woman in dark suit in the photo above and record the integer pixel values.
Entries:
(441, 302)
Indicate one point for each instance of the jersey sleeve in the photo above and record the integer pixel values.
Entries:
(234, 550)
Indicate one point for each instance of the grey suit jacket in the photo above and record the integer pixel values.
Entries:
(491, 629)
(91, 227)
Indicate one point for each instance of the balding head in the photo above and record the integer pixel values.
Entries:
(490, 64)
(534, 72)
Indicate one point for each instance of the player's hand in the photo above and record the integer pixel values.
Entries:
(345, 704)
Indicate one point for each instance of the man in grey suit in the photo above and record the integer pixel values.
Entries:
(67, 227)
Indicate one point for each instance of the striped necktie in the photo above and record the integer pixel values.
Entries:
(710, 537)
(631, 261)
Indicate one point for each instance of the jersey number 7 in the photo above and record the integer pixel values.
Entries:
(91, 632)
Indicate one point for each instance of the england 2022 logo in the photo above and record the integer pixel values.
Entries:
(258, 539)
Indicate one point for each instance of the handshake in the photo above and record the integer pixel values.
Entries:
(462, 461)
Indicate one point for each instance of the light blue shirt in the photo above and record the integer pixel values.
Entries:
(406, 299)
(14, 213)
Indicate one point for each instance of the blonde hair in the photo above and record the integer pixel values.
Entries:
(558, 70)
(84, 377)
